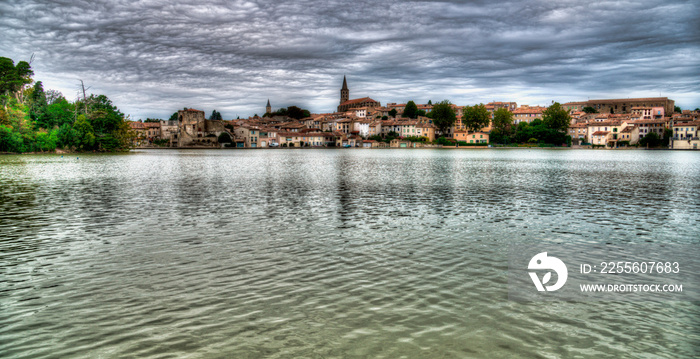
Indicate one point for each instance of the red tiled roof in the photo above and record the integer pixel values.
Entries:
(357, 100)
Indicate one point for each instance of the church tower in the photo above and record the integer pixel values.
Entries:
(268, 109)
(344, 92)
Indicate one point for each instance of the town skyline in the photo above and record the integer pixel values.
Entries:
(154, 58)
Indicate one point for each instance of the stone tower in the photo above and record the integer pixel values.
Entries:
(268, 109)
(344, 92)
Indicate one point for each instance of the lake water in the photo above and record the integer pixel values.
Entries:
(329, 253)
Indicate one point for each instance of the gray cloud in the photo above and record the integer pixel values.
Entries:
(152, 57)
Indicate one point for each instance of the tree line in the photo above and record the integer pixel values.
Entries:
(33, 119)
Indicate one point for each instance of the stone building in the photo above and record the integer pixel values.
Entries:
(347, 104)
(195, 130)
(622, 105)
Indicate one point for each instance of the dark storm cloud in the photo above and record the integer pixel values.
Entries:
(153, 57)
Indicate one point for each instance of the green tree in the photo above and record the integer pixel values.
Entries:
(503, 121)
(430, 102)
(420, 113)
(410, 110)
(668, 133)
(60, 112)
(556, 117)
(46, 141)
(66, 136)
(215, 116)
(173, 117)
(225, 138)
(589, 109)
(38, 108)
(677, 109)
(444, 116)
(14, 78)
(111, 130)
(475, 117)
(84, 133)
(154, 120)
(392, 112)
(651, 139)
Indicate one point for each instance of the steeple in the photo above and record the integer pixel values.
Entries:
(344, 92)
(268, 108)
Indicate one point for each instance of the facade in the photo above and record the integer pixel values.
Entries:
(347, 104)
(195, 130)
(527, 114)
(474, 137)
(622, 105)
(686, 135)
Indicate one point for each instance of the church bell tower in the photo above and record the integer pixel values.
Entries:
(268, 108)
(344, 92)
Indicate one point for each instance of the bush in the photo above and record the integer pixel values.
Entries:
(224, 137)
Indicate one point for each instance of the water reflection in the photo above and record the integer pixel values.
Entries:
(330, 253)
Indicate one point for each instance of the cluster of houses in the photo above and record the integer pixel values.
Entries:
(616, 123)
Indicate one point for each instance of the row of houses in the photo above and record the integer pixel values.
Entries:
(613, 131)
(353, 126)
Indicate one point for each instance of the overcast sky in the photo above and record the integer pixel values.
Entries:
(153, 57)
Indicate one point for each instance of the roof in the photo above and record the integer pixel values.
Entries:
(599, 133)
(191, 110)
(357, 100)
(646, 99)
(135, 125)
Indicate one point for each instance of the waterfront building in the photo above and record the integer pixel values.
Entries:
(347, 104)
(195, 130)
(622, 105)
(578, 132)
(250, 135)
(473, 137)
(526, 113)
(686, 135)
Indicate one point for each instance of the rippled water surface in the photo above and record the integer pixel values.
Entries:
(329, 253)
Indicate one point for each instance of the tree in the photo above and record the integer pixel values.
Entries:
(53, 96)
(153, 120)
(67, 136)
(668, 133)
(589, 109)
(392, 113)
(677, 109)
(475, 117)
(224, 138)
(384, 118)
(85, 134)
(420, 113)
(444, 116)
(38, 107)
(556, 117)
(652, 139)
(502, 121)
(14, 78)
(173, 117)
(215, 116)
(410, 110)
(61, 112)
(430, 102)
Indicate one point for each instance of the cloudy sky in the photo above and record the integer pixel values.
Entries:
(152, 57)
